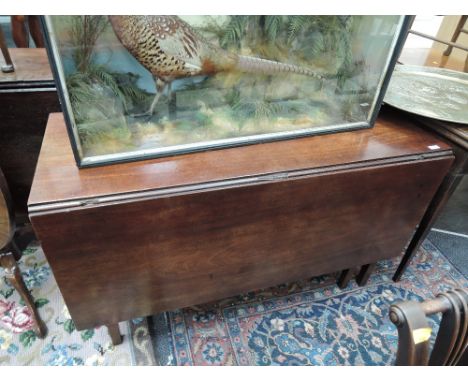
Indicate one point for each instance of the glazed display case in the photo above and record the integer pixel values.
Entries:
(137, 87)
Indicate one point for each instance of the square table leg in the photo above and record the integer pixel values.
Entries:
(114, 333)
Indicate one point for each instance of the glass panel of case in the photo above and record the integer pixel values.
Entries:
(134, 87)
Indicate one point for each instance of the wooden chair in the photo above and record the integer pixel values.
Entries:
(24, 26)
(9, 255)
(414, 332)
(458, 30)
(7, 67)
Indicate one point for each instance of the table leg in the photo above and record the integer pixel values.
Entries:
(13, 275)
(114, 333)
(344, 278)
(445, 190)
(364, 274)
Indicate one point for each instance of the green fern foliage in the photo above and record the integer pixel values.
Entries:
(95, 92)
(272, 27)
(296, 25)
(323, 42)
(93, 88)
(234, 32)
(84, 33)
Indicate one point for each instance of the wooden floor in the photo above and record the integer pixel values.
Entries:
(31, 65)
(433, 57)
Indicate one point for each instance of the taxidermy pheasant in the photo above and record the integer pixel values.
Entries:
(170, 48)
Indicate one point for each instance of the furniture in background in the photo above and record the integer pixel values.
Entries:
(459, 29)
(129, 240)
(9, 255)
(7, 66)
(27, 96)
(362, 275)
(450, 44)
(453, 41)
(456, 136)
(24, 26)
(414, 331)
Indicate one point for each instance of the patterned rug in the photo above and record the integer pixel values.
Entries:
(310, 322)
(63, 345)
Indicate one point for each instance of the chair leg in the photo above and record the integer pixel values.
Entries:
(413, 333)
(456, 34)
(463, 294)
(448, 335)
(13, 247)
(13, 275)
(114, 333)
(460, 342)
(8, 67)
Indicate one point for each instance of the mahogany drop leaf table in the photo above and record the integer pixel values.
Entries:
(129, 240)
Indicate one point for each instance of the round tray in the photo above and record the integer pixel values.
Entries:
(431, 92)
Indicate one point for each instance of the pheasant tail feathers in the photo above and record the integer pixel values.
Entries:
(250, 64)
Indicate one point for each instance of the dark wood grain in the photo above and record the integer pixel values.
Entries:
(456, 136)
(118, 261)
(23, 117)
(58, 178)
(127, 240)
(25, 104)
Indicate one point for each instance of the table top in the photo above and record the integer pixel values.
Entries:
(454, 132)
(31, 65)
(58, 179)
